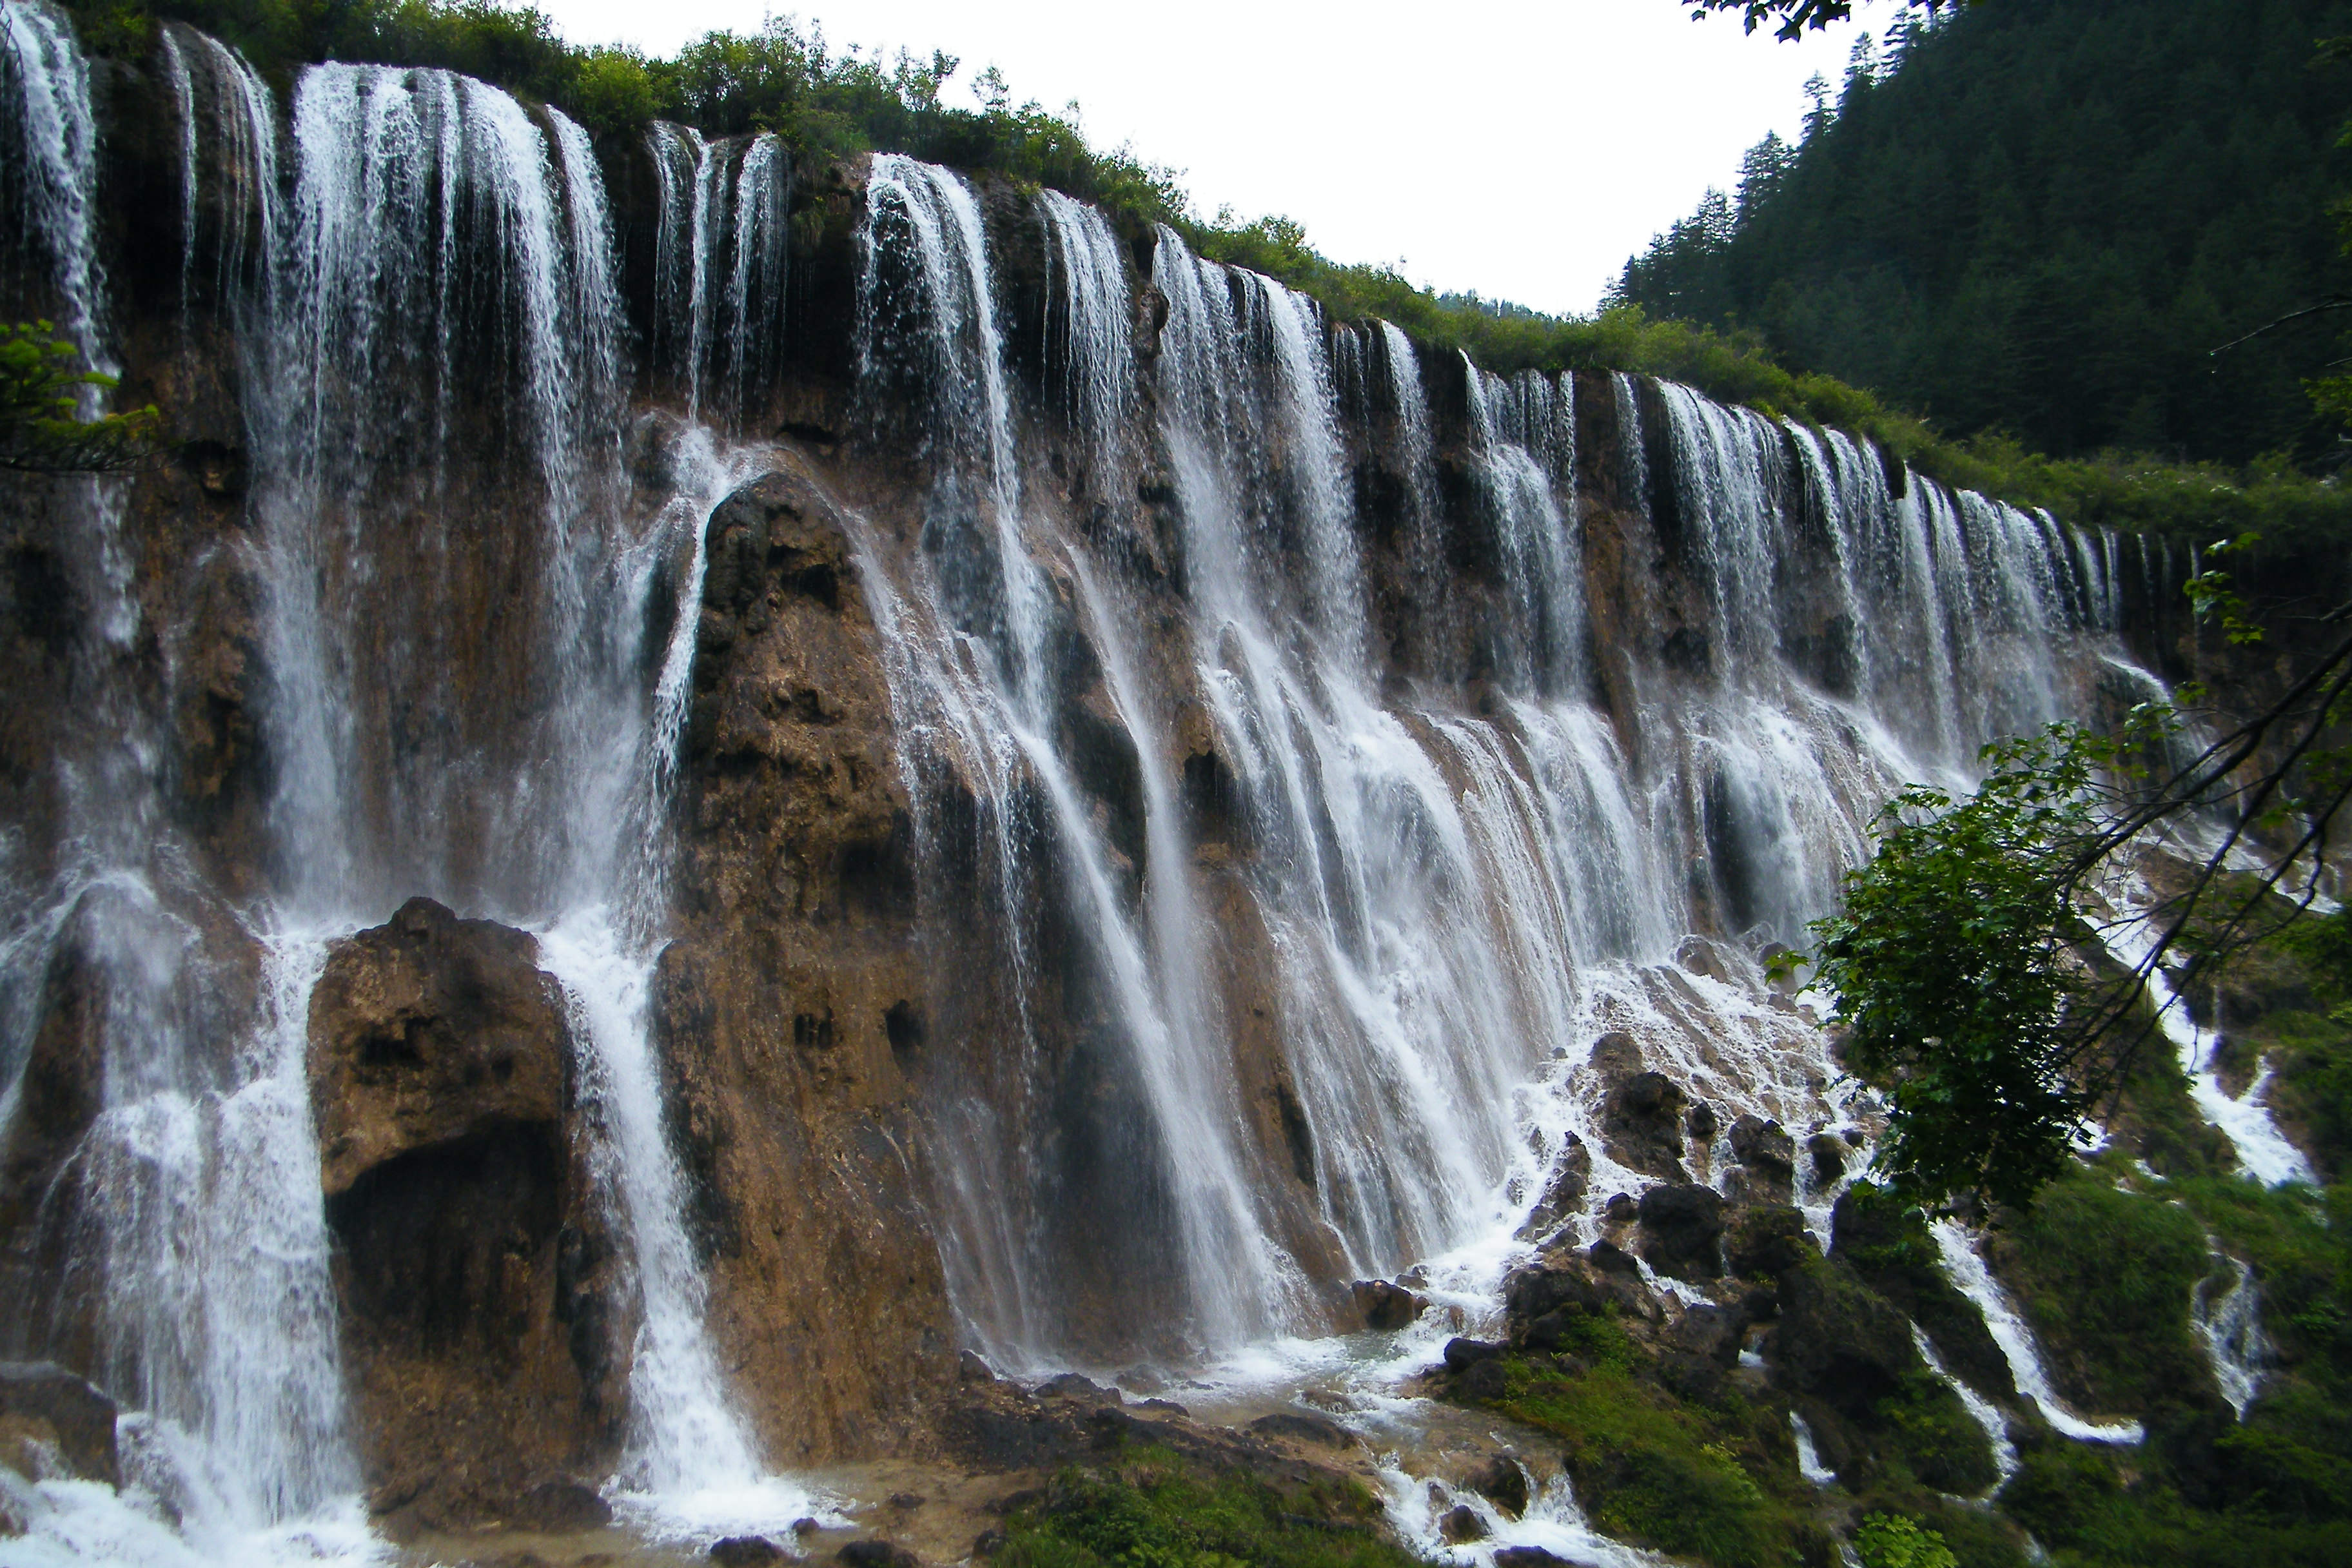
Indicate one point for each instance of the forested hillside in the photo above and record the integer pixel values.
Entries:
(2041, 217)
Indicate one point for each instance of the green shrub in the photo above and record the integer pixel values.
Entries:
(1890, 1541)
(1151, 1510)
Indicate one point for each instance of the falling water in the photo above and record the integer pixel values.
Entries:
(2229, 1324)
(1965, 1267)
(1273, 921)
(721, 259)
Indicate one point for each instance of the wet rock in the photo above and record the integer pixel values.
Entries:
(1460, 1523)
(1764, 1147)
(1764, 1242)
(1829, 1155)
(1303, 1426)
(1710, 1333)
(1529, 1557)
(1623, 1209)
(1385, 1305)
(1545, 1288)
(476, 1282)
(431, 1030)
(1462, 1354)
(1610, 1258)
(1564, 1189)
(1702, 1121)
(42, 1403)
(560, 1507)
(1502, 1482)
(1071, 1385)
(876, 1554)
(1642, 1125)
(971, 1368)
(1682, 1224)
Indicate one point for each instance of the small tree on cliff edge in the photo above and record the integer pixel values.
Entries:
(41, 389)
(1796, 17)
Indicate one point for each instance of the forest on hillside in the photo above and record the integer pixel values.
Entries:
(2042, 216)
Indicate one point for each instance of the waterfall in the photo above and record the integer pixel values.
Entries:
(1965, 1267)
(2228, 1325)
(721, 259)
(1308, 755)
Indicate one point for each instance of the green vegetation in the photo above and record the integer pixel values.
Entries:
(41, 427)
(2042, 218)
(1951, 962)
(1150, 1510)
(1891, 1541)
(2104, 1268)
(1716, 1482)
(2106, 1276)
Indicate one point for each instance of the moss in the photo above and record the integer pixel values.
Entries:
(1715, 1482)
(1892, 1540)
(1925, 1425)
(1151, 1511)
(2079, 1507)
(2105, 1277)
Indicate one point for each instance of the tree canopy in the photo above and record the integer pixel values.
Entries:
(2040, 219)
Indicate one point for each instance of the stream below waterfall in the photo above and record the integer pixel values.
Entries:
(1311, 747)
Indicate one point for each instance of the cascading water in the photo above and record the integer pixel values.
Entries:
(390, 401)
(719, 264)
(1300, 781)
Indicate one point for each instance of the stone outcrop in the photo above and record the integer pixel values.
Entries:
(53, 1422)
(794, 1023)
(1682, 1227)
(473, 1268)
(1642, 1111)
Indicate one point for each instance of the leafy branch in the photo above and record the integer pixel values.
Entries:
(42, 390)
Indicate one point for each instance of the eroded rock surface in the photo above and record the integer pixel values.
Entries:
(472, 1262)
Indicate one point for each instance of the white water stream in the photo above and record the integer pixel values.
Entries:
(1289, 876)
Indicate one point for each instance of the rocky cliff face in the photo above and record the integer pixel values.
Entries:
(1007, 787)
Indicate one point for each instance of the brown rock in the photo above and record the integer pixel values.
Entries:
(746, 1551)
(1502, 1482)
(473, 1268)
(1681, 1225)
(45, 1403)
(1460, 1523)
(1384, 1306)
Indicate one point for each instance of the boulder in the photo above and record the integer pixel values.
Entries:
(1564, 1189)
(1385, 1305)
(1766, 1241)
(1682, 1224)
(1462, 1354)
(1829, 1153)
(1764, 1147)
(746, 1551)
(1610, 1258)
(1702, 1121)
(482, 1320)
(1642, 1125)
(1484, 1382)
(1710, 1333)
(876, 1554)
(1502, 1482)
(432, 1030)
(1461, 1523)
(1529, 1557)
(42, 1403)
(1303, 1426)
(1545, 1288)
(1071, 1385)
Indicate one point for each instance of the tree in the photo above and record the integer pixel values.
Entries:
(41, 396)
(1969, 960)
(1797, 16)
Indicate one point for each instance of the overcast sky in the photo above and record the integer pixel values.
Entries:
(1520, 150)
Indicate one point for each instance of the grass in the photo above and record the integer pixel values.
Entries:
(1151, 1510)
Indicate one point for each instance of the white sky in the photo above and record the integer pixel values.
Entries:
(1521, 148)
